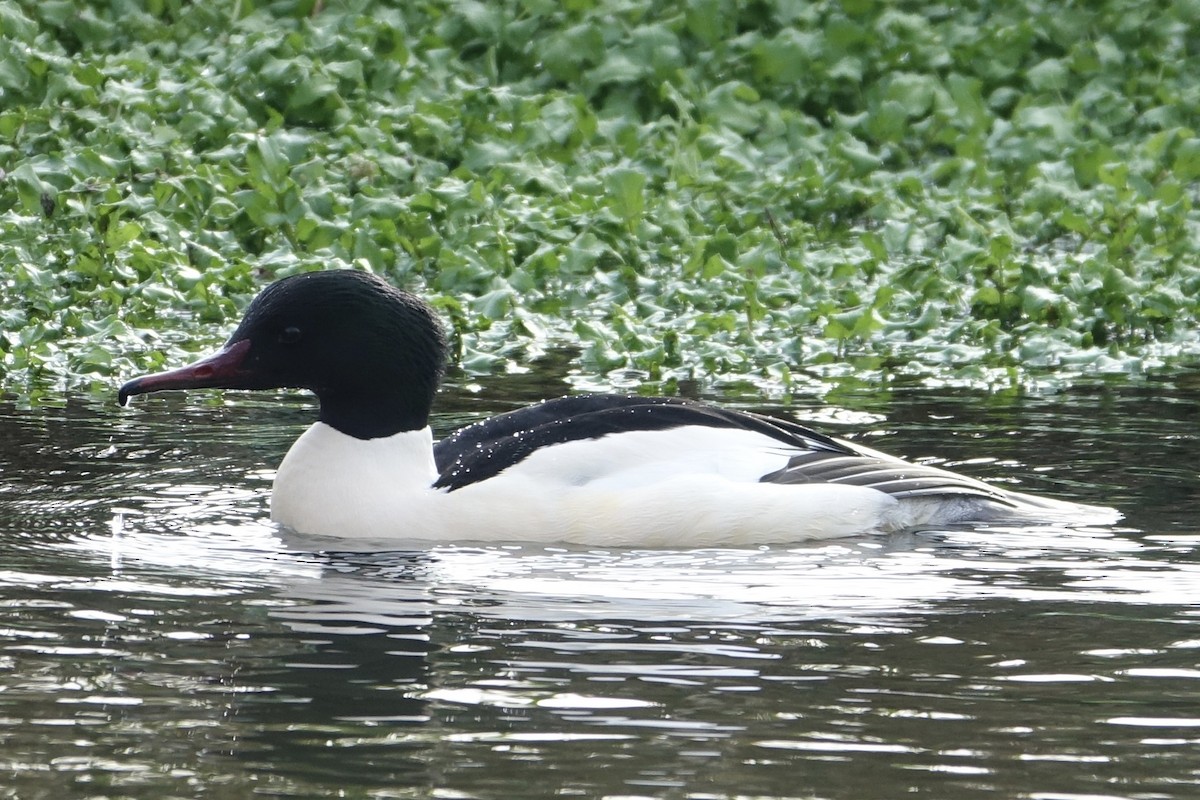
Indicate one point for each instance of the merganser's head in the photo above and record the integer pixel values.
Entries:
(371, 353)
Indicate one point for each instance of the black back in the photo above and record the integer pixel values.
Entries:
(487, 448)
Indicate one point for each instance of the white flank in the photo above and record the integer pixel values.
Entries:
(688, 486)
(685, 486)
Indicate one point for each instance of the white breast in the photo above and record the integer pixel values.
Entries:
(333, 484)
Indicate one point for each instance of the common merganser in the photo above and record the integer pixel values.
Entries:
(593, 469)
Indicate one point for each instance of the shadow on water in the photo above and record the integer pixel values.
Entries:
(162, 638)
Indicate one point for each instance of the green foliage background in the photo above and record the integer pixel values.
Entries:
(755, 192)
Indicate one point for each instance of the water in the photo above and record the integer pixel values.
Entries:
(161, 639)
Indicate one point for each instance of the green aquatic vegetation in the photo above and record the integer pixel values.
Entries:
(758, 194)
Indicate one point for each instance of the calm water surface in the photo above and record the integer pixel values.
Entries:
(160, 638)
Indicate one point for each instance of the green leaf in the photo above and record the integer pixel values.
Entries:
(912, 93)
(787, 56)
(1048, 76)
(1186, 166)
(625, 187)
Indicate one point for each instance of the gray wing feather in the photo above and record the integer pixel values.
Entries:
(897, 478)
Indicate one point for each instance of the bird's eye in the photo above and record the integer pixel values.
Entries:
(289, 335)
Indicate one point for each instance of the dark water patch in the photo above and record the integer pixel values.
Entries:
(160, 638)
